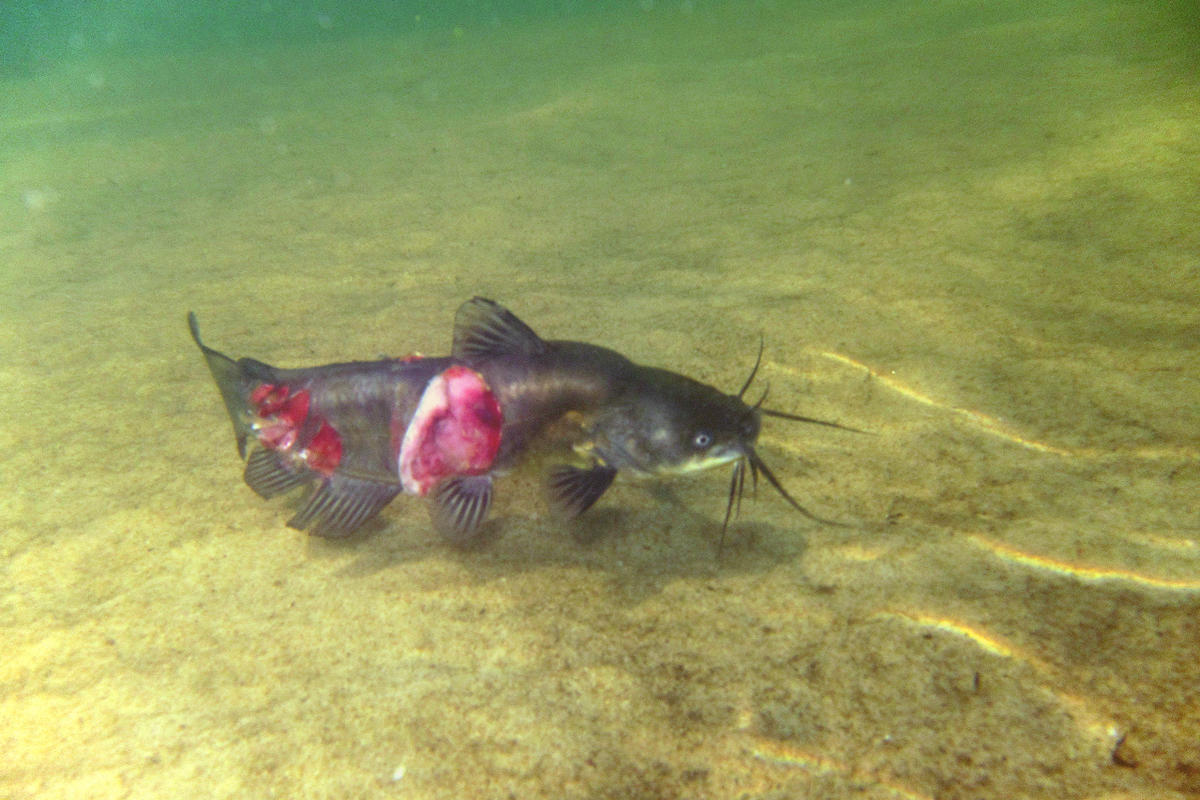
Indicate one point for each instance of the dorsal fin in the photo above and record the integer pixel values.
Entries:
(485, 329)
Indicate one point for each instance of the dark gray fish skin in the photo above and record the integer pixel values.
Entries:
(536, 391)
(368, 404)
(639, 420)
(621, 417)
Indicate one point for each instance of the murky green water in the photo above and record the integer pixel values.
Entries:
(970, 229)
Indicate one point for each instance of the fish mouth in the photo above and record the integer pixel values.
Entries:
(748, 459)
(717, 457)
(635, 467)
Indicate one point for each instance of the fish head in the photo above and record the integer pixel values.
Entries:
(671, 425)
(668, 424)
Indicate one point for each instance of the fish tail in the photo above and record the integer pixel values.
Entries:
(236, 380)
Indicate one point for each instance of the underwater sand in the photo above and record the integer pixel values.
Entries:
(970, 229)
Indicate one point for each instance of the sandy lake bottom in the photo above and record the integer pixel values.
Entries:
(970, 230)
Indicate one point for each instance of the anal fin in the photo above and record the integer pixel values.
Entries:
(341, 504)
(269, 475)
(573, 490)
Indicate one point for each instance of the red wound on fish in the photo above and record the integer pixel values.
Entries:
(275, 401)
(284, 414)
(324, 452)
(267, 392)
(455, 431)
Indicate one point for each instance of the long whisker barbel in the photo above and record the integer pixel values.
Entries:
(737, 487)
(737, 479)
(770, 412)
(737, 483)
(756, 461)
(754, 371)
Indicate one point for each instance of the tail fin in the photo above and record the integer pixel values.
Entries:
(235, 379)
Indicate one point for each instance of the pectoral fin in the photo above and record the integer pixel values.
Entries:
(460, 505)
(573, 490)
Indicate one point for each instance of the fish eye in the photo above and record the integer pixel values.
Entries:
(702, 440)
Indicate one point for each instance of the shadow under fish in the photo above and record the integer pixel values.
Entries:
(360, 433)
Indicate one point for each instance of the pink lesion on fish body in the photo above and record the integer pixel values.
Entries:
(285, 415)
(455, 431)
(324, 452)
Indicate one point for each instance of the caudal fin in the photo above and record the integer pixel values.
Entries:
(296, 445)
(235, 379)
